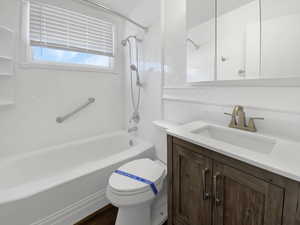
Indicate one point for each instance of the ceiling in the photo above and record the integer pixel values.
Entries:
(199, 11)
(122, 6)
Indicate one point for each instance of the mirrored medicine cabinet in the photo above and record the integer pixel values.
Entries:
(229, 40)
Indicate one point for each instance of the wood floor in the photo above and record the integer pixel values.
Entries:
(105, 216)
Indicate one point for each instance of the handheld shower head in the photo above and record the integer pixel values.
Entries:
(138, 80)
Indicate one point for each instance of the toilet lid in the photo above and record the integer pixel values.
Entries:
(144, 168)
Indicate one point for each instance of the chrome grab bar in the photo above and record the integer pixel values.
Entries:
(61, 119)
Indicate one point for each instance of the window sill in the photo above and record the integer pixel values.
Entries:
(66, 67)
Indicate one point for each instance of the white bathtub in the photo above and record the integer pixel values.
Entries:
(62, 184)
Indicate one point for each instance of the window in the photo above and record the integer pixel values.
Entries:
(62, 36)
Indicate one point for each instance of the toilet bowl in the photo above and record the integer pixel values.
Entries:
(133, 188)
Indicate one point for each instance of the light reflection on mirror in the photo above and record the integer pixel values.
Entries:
(280, 38)
(200, 40)
(238, 39)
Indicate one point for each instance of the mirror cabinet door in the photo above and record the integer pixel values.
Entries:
(200, 40)
(238, 39)
(280, 38)
(242, 39)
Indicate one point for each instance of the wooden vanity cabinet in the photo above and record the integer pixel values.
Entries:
(192, 187)
(207, 188)
(242, 199)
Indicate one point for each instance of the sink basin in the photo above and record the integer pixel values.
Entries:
(243, 139)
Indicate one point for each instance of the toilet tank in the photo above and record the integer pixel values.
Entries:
(161, 145)
(161, 138)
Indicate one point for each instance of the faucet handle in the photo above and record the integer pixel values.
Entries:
(233, 119)
(251, 124)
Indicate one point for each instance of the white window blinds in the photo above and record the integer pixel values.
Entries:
(54, 27)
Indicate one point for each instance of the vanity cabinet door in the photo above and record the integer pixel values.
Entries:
(242, 199)
(192, 185)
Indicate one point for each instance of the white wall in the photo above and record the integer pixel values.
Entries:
(280, 39)
(279, 58)
(279, 105)
(41, 95)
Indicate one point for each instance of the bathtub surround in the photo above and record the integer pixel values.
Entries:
(7, 65)
(43, 94)
(149, 13)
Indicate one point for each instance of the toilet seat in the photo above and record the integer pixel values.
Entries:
(144, 168)
(130, 188)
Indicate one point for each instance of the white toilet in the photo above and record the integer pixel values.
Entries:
(133, 188)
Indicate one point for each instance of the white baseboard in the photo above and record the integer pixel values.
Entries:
(77, 211)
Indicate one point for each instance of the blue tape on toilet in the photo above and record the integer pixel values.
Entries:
(140, 179)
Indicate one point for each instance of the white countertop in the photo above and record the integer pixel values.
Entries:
(165, 124)
(283, 160)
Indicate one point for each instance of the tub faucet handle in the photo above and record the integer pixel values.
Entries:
(133, 129)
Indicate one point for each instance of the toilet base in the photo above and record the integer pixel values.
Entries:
(138, 215)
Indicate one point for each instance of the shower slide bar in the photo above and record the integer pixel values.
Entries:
(63, 118)
(99, 4)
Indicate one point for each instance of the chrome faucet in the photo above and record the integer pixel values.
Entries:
(239, 121)
(135, 117)
(133, 129)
